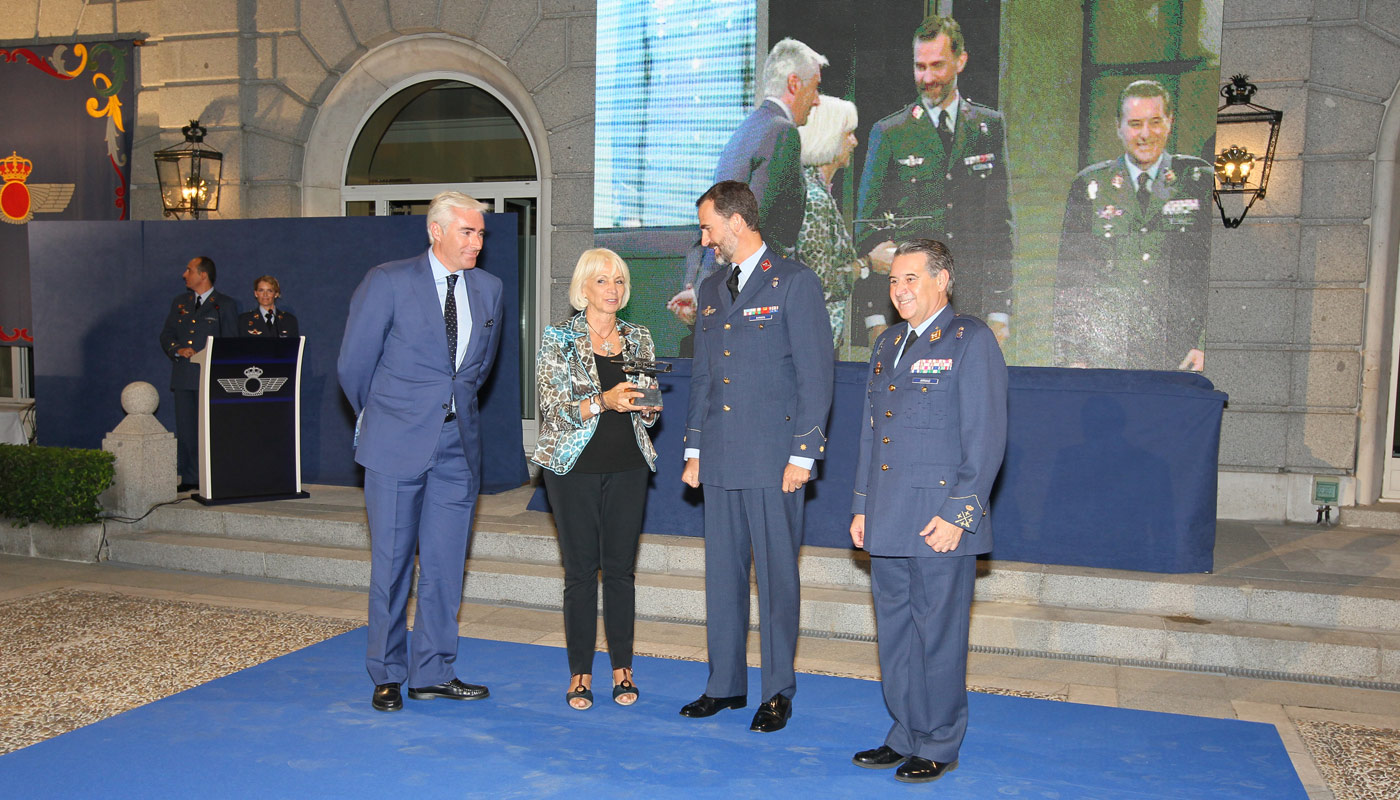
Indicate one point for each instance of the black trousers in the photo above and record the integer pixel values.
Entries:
(599, 520)
(187, 434)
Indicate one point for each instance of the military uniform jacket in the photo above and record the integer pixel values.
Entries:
(964, 193)
(187, 327)
(766, 153)
(761, 380)
(1132, 281)
(933, 438)
(252, 323)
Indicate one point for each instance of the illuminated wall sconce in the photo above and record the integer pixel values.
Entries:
(1237, 170)
(189, 175)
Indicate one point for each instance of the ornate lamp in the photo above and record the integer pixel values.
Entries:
(1237, 170)
(189, 174)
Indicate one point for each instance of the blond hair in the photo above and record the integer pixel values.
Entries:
(590, 264)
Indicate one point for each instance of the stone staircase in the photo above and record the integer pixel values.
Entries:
(1300, 631)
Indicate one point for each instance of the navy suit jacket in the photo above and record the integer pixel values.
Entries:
(766, 153)
(761, 380)
(933, 436)
(395, 370)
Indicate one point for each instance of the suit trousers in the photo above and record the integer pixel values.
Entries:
(922, 610)
(768, 523)
(599, 520)
(187, 434)
(430, 514)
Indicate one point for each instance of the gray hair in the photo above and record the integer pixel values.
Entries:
(789, 57)
(826, 127)
(440, 211)
(936, 255)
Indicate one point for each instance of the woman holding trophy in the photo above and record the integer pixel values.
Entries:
(597, 456)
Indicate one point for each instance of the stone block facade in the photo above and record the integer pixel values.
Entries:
(1300, 304)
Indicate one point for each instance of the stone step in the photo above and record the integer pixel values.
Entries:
(1378, 517)
(828, 610)
(1190, 596)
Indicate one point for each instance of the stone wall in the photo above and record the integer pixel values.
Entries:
(1293, 336)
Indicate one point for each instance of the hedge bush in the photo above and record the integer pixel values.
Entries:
(55, 485)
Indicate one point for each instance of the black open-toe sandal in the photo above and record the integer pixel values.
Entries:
(579, 691)
(625, 689)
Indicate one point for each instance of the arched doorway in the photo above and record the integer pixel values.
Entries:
(450, 134)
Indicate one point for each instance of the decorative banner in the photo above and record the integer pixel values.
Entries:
(65, 151)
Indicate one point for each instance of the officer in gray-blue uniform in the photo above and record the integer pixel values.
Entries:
(194, 316)
(760, 393)
(932, 440)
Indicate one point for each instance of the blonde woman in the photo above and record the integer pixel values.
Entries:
(597, 458)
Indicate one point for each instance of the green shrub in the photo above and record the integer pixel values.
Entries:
(55, 485)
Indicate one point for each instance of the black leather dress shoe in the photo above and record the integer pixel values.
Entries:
(386, 697)
(772, 715)
(708, 706)
(882, 757)
(921, 770)
(452, 690)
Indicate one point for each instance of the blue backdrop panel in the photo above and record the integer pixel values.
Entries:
(301, 726)
(102, 290)
(1103, 468)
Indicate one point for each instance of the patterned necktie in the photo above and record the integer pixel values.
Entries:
(1143, 194)
(449, 316)
(733, 283)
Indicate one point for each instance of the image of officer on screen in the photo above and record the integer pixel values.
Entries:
(1130, 287)
(937, 169)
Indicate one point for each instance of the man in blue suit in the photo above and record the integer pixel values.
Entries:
(766, 152)
(932, 440)
(419, 342)
(760, 393)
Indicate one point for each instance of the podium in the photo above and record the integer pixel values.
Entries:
(249, 419)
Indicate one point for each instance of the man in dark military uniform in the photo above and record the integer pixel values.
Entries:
(942, 162)
(1130, 290)
(932, 440)
(195, 315)
(760, 393)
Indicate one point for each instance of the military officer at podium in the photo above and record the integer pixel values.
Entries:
(760, 393)
(1131, 287)
(932, 440)
(195, 315)
(267, 320)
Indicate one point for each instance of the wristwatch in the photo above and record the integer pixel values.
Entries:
(593, 407)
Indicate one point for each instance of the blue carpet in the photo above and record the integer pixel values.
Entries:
(301, 726)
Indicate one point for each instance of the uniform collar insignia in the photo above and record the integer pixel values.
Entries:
(936, 335)
(766, 265)
(775, 282)
(708, 310)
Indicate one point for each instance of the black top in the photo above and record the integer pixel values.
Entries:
(613, 447)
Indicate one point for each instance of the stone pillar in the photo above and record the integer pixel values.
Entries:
(145, 451)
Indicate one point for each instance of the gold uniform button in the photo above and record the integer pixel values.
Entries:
(821, 449)
(726, 408)
(889, 413)
(886, 440)
(726, 380)
(760, 326)
(942, 483)
(787, 419)
(884, 466)
(726, 326)
(925, 389)
(726, 352)
(802, 447)
(891, 387)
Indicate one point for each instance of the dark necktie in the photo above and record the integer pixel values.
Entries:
(733, 283)
(1143, 194)
(945, 131)
(908, 336)
(198, 301)
(449, 316)
(269, 319)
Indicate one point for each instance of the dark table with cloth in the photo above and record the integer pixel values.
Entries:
(1103, 468)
